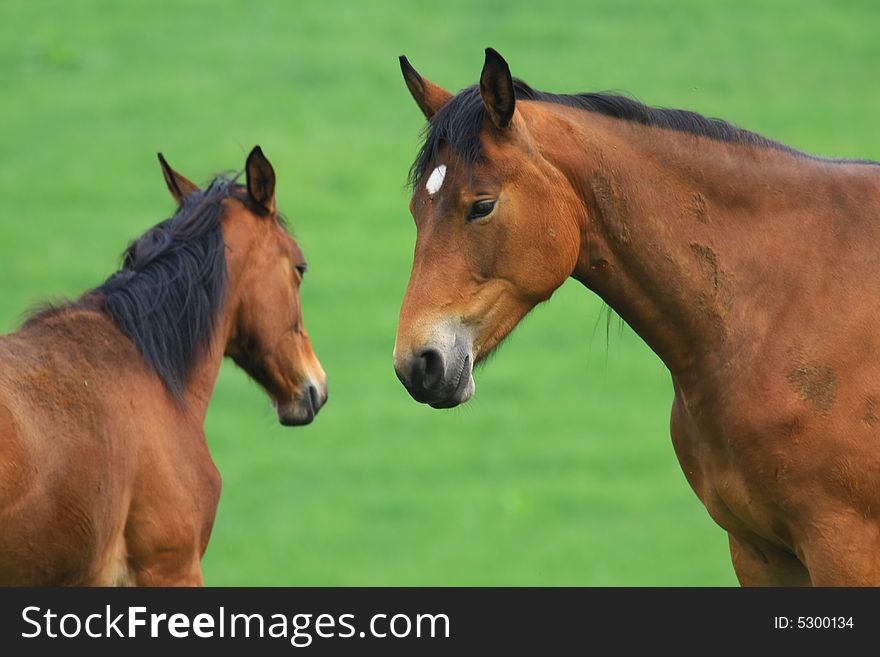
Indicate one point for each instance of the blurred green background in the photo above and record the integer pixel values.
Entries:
(561, 471)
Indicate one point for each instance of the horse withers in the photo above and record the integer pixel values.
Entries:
(105, 473)
(750, 268)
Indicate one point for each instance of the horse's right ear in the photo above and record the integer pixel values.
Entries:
(180, 186)
(428, 96)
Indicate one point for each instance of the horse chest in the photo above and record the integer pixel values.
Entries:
(718, 474)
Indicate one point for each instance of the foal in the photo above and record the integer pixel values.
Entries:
(105, 474)
(751, 269)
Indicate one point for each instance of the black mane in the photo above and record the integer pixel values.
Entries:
(170, 289)
(458, 123)
(168, 294)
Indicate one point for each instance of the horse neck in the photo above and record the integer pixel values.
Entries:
(690, 240)
(203, 379)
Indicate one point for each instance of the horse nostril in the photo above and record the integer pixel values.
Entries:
(432, 362)
(314, 398)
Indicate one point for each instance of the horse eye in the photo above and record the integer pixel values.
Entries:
(481, 209)
(302, 269)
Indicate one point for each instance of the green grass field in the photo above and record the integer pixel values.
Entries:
(561, 471)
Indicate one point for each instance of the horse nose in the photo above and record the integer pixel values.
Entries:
(422, 374)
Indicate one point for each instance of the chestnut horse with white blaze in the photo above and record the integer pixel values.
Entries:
(750, 268)
(105, 473)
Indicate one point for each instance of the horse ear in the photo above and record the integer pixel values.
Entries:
(260, 180)
(180, 186)
(496, 88)
(428, 96)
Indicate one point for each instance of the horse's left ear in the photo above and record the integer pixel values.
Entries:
(496, 88)
(260, 180)
(180, 186)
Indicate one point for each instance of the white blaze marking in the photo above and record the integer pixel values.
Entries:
(435, 180)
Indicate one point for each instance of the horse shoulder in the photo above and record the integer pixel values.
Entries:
(174, 503)
(16, 468)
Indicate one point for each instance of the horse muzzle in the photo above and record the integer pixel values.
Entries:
(303, 408)
(439, 374)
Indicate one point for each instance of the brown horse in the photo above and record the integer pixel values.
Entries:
(751, 269)
(105, 474)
